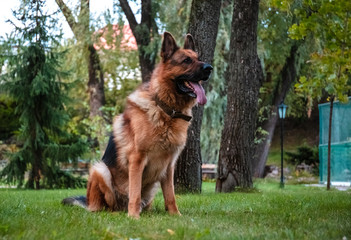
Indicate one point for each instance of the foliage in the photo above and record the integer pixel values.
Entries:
(329, 23)
(305, 154)
(297, 212)
(274, 21)
(121, 74)
(32, 78)
(121, 68)
(63, 180)
(9, 119)
(145, 32)
(174, 17)
(272, 35)
(272, 32)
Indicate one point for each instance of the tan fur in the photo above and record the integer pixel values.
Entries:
(148, 143)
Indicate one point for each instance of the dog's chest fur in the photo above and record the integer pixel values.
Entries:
(167, 143)
(158, 130)
(157, 163)
(145, 127)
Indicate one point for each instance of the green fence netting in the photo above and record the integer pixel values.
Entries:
(340, 158)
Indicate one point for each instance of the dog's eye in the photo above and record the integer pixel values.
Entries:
(188, 60)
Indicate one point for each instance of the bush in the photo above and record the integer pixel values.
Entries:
(305, 154)
(61, 179)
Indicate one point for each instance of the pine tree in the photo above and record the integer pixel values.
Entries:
(32, 78)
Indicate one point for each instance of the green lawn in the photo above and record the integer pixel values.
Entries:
(296, 212)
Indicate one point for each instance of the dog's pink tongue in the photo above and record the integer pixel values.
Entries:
(200, 93)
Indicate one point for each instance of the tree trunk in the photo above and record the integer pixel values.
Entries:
(203, 26)
(146, 65)
(96, 83)
(82, 33)
(329, 139)
(287, 77)
(143, 33)
(244, 72)
(37, 166)
(187, 175)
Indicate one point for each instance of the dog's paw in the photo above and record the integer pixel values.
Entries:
(175, 213)
(134, 215)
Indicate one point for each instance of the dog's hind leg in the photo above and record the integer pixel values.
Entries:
(95, 199)
(147, 195)
(100, 194)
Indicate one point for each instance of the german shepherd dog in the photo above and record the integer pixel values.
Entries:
(149, 135)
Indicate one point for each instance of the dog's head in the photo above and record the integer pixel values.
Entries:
(184, 68)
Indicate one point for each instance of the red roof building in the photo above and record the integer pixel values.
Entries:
(127, 42)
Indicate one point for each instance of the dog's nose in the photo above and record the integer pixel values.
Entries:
(206, 71)
(207, 67)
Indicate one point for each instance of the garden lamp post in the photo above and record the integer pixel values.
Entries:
(282, 111)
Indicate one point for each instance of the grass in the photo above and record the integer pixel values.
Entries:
(296, 212)
(274, 157)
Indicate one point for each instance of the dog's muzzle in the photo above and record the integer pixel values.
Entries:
(190, 83)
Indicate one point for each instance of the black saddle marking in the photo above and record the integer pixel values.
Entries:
(110, 155)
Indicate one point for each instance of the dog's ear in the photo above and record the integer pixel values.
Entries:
(189, 42)
(169, 46)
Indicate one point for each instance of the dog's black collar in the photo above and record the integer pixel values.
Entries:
(170, 111)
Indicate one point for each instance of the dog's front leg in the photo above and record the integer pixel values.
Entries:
(167, 186)
(136, 167)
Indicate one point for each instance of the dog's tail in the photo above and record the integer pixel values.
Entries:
(80, 201)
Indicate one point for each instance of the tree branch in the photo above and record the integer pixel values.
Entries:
(84, 15)
(69, 16)
(147, 16)
(146, 13)
(129, 14)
